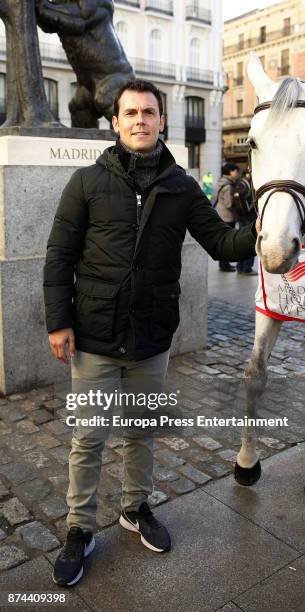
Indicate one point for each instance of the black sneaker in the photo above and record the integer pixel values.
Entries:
(68, 568)
(153, 534)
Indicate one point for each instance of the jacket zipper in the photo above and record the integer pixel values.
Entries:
(139, 207)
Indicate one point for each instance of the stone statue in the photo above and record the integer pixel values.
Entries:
(85, 28)
(26, 99)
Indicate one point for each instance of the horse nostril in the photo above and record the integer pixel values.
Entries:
(296, 246)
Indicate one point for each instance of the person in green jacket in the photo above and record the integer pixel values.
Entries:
(111, 288)
(207, 185)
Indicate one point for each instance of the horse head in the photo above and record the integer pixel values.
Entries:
(277, 147)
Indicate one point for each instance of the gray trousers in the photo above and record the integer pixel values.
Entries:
(88, 442)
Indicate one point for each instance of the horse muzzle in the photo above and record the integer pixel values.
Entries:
(278, 258)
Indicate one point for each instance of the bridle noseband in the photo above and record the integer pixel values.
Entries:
(291, 187)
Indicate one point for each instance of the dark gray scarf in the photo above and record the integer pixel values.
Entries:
(142, 167)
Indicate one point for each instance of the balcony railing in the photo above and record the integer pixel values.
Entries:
(201, 76)
(269, 37)
(135, 3)
(283, 70)
(160, 6)
(196, 13)
(238, 81)
(154, 68)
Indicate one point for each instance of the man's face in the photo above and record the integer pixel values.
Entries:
(234, 174)
(139, 121)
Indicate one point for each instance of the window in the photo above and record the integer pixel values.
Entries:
(286, 26)
(194, 112)
(241, 41)
(195, 53)
(240, 73)
(2, 97)
(52, 95)
(284, 61)
(155, 45)
(122, 32)
(262, 35)
(239, 107)
(193, 155)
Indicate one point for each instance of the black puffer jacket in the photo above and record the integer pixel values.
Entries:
(124, 302)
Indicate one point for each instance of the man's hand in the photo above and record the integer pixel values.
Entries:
(62, 344)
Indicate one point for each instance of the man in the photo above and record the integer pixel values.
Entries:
(120, 227)
(224, 208)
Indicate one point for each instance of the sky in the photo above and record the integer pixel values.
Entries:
(233, 8)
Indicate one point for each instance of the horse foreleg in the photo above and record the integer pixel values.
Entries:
(247, 467)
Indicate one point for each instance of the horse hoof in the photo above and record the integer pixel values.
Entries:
(247, 476)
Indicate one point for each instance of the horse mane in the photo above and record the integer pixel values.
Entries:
(289, 91)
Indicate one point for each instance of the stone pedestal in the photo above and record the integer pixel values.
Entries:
(33, 173)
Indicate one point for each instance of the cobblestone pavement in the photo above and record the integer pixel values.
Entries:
(34, 439)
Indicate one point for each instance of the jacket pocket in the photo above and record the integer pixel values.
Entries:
(166, 309)
(94, 309)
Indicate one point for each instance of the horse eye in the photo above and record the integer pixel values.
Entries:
(251, 142)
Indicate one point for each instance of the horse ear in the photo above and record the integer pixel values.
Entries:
(264, 86)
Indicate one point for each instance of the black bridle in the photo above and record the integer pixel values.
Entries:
(292, 187)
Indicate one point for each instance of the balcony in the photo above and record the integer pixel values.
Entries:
(200, 76)
(196, 13)
(194, 129)
(153, 68)
(238, 81)
(256, 41)
(134, 3)
(160, 6)
(283, 70)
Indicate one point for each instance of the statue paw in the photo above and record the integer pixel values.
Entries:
(247, 476)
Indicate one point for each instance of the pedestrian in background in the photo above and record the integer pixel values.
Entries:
(245, 214)
(224, 202)
(207, 185)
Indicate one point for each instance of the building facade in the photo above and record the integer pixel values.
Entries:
(175, 44)
(277, 35)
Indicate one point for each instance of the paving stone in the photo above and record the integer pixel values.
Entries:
(26, 427)
(182, 485)
(228, 455)
(57, 427)
(207, 371)
(43, 439)
(17, 472)
(114, 442)
(157, 497)
(33, 490)
(194, 474)
(10, 556)
(61, 454)
(14, 397)
(3, 490)
(38, 459)
(21, 443)
(207, 442)
(61, 482)
(106, 515)
(169, 458)
(5, 456)
(109, 456)
(54, 506)
(36, 535)
(215, 468)
(164, 474)
(40, 416)
(10, 414)
(272, 443)
(187, 371)
(115, 470)
(3, 535)
(27, 405)
(53, 404)
(14, 511)
(4, 429)
(175, 443)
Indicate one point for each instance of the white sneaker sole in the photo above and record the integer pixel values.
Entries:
(130, 527)
(88, 550)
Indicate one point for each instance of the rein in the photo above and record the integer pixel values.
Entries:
(292, 187)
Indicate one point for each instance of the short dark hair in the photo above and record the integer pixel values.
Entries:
(229, 167)
(138, 85)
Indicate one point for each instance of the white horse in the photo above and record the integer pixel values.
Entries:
(277, 142)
